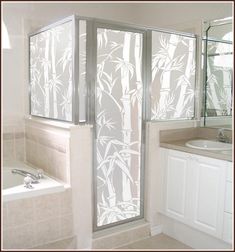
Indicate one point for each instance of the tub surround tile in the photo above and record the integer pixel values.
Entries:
(60, 163)
(47, 231)
(5, 215)
(31, 152)
(66, 202)
(42, 157)
(69, 243)
(52, 151)
(19, 237)
(8, 136)
(49, 206)
(20, 149)
(20, 212)
(13, 142)
(8, 149)
(47, 217)
(66, 222)
(47, 138)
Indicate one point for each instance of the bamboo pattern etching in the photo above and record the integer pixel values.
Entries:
(219, 79)
(51, 73)
(118, 120)
(173, 76)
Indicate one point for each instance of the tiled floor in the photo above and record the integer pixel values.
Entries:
(160, 241)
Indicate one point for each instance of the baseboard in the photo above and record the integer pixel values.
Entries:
(121, 235)
(67, 243)
(156, 230)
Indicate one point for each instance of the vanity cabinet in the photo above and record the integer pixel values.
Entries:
(198, 192)
(177, 186)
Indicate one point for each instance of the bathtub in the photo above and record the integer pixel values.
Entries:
(13, 185)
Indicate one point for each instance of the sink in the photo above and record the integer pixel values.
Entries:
(208, 145)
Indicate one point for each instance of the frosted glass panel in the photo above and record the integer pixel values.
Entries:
(51, 73)
(173, 76)
(82, 88)
(118, 125)
(219, 79)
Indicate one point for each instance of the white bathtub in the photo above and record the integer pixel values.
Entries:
(13, 186)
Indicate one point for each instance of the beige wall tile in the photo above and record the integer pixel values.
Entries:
(5, 215)
(8, 150)
(52, 140)
(31, 133)
(31, 152)
(66, 202)
(8, 136)
(47, 231)
(59, 160)
(69, 243)
(42, 157)
(20, 212)
(20, 149)
(67, 225)
(21, 237)
(47, 206)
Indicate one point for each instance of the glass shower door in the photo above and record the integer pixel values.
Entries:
(118, 127)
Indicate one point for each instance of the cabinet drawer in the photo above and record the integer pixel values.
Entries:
(228, 198)
(227, 228)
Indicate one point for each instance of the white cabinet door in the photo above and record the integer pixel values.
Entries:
(208, 190)
(176, 185)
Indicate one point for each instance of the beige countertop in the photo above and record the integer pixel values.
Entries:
(180, 146)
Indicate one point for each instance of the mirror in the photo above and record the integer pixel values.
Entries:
(217, 65)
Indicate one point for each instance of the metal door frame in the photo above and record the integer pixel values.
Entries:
(92, 112)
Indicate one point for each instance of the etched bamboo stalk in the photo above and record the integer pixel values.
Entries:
(183, 87)
(166, 75)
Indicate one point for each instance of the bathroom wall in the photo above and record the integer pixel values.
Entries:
(37, 221)
(13, 142)
(48, 148)
(183, 15)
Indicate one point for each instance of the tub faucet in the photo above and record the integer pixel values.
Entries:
(221, 137)
(26, 174)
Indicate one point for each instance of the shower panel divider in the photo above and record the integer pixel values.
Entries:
(109, 65)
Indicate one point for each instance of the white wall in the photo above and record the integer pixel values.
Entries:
(170, 15)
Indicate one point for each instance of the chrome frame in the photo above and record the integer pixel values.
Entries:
(196, 79)
(75, 64)
(113, 26)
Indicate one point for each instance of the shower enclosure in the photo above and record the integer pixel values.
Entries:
(116, 77)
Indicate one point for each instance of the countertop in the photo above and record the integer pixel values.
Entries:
(180, 146)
